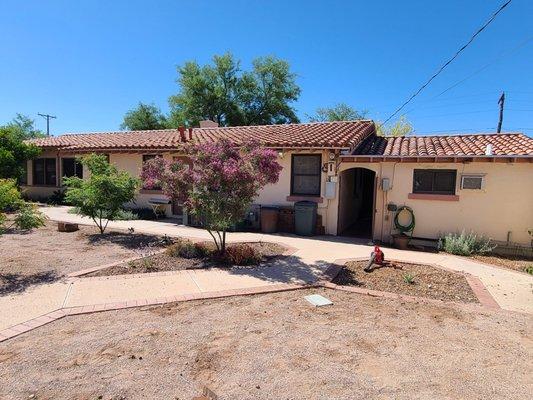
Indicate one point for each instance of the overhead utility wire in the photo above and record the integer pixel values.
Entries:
(448, 62)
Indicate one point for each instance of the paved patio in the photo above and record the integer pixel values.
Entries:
(310, 261)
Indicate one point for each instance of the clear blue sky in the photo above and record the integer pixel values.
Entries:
(88, 62)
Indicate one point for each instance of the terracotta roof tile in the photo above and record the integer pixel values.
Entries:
(342, 134)
(505, 144)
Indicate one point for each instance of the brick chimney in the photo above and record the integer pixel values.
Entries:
(208, 124)
(182, 133)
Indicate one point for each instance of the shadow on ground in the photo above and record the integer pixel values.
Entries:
(17, 283)
(285, 269)
(130, 241)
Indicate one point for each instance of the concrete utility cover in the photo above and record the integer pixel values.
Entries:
(318, 300)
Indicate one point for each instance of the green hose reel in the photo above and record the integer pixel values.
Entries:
(404, 228)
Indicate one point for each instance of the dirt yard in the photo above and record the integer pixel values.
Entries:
(275, 346)
(166, 262)
(427, 281)
(514, 263)
(44, 255)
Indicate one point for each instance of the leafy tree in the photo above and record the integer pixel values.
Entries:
(14, 153)
(221, 92)
(102, 195)
(144, 117)
(339, 112)
(220, 184)
(23, 127)
(402, 127)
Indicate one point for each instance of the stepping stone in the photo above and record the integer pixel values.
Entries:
(318, 300)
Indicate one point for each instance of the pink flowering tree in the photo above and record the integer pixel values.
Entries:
(219, 184)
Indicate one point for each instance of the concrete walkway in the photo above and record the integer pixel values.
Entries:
(511, 290)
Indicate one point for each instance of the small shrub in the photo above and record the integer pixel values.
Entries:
(241, 254)
(182, 248)
(204, 249)
(529, 269)
(465, 244)
(29, 218)
(57, 198)
(409, 279)
(126, 215)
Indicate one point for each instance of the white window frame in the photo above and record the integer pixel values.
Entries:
(481, 176)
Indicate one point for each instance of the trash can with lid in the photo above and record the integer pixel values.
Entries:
(305, 218)
(269, 219)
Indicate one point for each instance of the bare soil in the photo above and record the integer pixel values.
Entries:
(514, 263)
(44, 254)
(428, 281)
(165, 262)
(276, 346)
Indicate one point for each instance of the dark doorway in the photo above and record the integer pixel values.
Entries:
(356, 202)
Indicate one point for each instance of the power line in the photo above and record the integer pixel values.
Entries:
(448, 62)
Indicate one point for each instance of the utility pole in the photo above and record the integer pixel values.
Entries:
(501, 102)
(47, 116)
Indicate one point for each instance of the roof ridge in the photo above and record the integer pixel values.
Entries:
(291, 124)
(458, 135)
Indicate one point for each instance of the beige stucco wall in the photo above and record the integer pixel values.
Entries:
(504, 204)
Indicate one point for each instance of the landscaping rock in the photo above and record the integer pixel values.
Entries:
(67, 227)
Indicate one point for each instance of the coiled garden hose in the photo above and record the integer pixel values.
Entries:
(405, 228)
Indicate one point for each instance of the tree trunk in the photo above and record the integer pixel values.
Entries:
(223, 242)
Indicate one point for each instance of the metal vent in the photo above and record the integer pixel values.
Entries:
(474, 182)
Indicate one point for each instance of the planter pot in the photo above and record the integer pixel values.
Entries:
(401, 241)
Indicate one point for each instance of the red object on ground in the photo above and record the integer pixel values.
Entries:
(378, 255)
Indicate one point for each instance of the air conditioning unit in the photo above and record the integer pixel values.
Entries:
(472, 182)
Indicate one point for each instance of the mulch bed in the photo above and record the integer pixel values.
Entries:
(163, 262)
(428, 281)
(514, 263)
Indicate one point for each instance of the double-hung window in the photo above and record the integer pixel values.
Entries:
(305, 174)
(434, 181)
(44, 172)
(72, 167)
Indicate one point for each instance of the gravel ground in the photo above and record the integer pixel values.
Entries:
(45, 254)
(164, 262)
(276, 346)
(435, 283)
(517, 264)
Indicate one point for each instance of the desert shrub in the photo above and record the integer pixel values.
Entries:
(529, 269)
(57, 198)
(28, 217)
(10, 198)
(182, 248)
(465, 244)
(126, 215)
(204, 249)
(241, 254)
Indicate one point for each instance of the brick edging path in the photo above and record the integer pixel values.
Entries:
(324, 281)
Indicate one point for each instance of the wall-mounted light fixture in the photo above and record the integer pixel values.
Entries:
(280, 153)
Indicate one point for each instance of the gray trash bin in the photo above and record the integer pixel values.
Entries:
(305, 218)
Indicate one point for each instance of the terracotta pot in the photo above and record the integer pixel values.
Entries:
(401, 241)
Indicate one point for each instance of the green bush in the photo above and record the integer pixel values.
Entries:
(465, 244)
(409, 279)
(28, 217)
(529, 269)
(10, 198)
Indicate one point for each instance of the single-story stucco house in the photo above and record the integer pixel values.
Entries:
(477, 182)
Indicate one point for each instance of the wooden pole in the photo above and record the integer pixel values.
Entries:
(501, 102)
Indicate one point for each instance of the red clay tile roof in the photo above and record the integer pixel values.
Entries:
(342, 134)
(508, 144)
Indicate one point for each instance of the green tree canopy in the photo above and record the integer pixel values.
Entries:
(144, 117)
(14, 152)
(102, 196)
(339, 112)
(223, 93)
(23, 127)
(402, 127)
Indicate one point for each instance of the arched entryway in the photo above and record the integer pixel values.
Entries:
(356, 202)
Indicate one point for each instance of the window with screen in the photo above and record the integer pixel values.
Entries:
(305, 174)
(434, 181)
(72, 167)
(44, 172)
